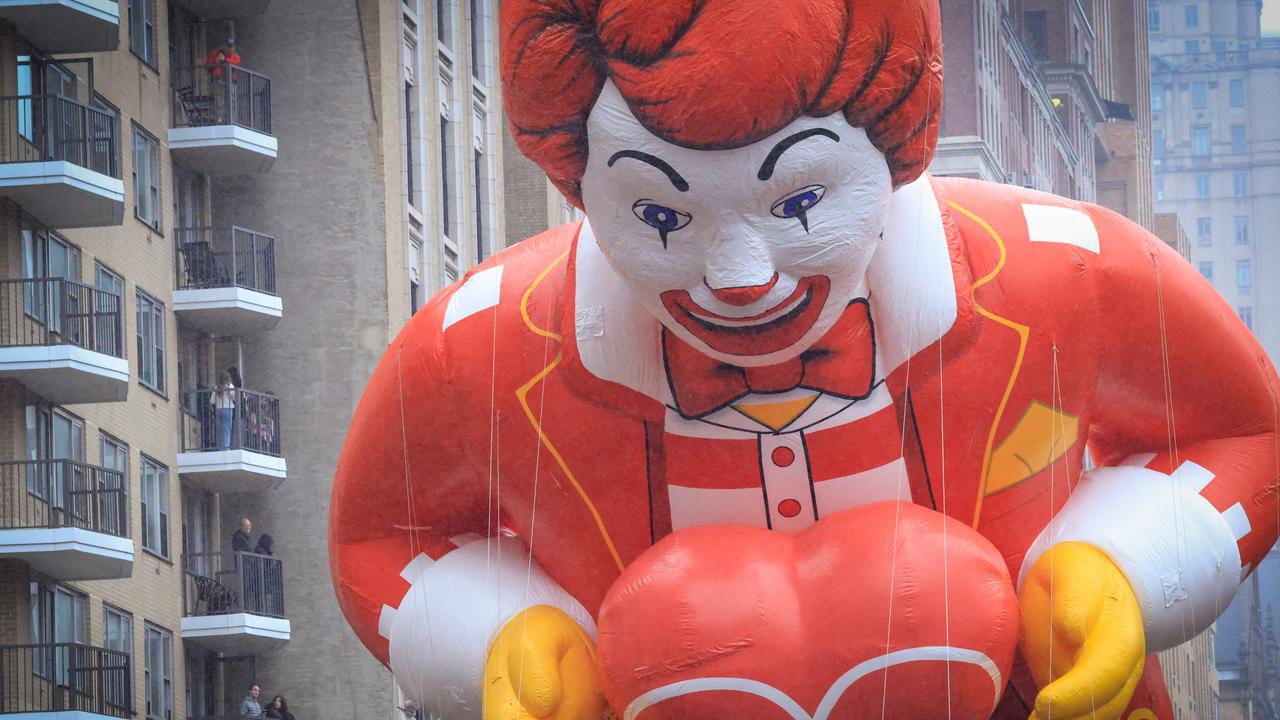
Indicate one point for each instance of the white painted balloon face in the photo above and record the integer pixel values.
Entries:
(748, 254)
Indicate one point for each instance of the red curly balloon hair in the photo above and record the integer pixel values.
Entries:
(713, 74)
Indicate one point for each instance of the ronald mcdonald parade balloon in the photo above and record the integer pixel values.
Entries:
(787, 428)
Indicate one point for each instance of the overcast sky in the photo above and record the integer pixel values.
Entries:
(1271, 17)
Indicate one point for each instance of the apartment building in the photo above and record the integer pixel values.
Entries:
(127, 287)
(1049, 95)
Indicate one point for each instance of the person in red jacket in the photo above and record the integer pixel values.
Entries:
(221, 59)
(772, 313)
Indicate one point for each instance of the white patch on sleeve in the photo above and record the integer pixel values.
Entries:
(416, 567)
(478, 292)
(1238, 520)
(1052, 224)
(1177, 551)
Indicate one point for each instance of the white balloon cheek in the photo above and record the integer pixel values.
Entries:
(638, 257)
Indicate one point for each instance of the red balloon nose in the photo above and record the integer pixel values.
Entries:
(742, 296)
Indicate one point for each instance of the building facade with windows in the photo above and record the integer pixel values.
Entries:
(1049, 95)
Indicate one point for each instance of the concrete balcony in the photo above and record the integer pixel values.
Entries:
(234, 602)
(63, 340)
(65, 681)
(225, 9)
(65, 26)
(59, 160)
(226, 280)
(222, 120)
(65, 519)
(231, 440)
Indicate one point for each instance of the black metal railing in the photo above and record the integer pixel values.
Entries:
(232, 582)
(63, 493)
(231, 419)
(37, 128)
(211, 257)
(54, 311)
(53, 677)
(221, 94)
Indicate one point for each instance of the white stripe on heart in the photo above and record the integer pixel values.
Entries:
(836, 691)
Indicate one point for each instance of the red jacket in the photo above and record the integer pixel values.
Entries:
(1060, 323)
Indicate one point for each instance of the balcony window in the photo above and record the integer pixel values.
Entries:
(1157, 143)
(1240, 183)
(1242, 229)
(1204, 231)
(1239, 140)
(1192, 16)
(1202, 186)
(1200, 140)
(1206, 269)
(117, 636)
(151, 342)
(1157, 97)
(1191, 47)
(1199, 95)
(479, 40)
(1244, 277)
(155, 507)
(159, 674)
(146, 177)
(446, 195)
(1237, 92)
(444, 22)
(142, 38)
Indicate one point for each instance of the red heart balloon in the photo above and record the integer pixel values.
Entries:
(883, 611)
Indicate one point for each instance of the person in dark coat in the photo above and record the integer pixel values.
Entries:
(240, 539)
(279, 709)
(264, 544)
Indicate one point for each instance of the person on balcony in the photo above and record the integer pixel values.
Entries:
(220, 59)
(264, 545)
(223, 400)
(279, 709)
(250, 708)
(241, 540)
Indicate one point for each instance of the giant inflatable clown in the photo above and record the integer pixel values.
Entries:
(787, 428)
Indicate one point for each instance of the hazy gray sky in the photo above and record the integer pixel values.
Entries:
(1271, 17)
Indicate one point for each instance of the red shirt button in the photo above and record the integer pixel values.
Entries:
(789, 508)
(783, 457)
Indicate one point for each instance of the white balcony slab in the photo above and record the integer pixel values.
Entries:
(69, 553)
(66, 26)
(222, 149)
(64, 195)
(241, 632)
(229, 311)
(225, 9)
(67, 374)
(232, 470)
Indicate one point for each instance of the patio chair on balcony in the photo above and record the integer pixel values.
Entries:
(218, 599)
(199, 109)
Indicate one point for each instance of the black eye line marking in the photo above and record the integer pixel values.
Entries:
(766, 168)
(676, 179)
(662, 232)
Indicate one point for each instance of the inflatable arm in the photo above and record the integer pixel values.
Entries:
(1185, 498)
(409, 527)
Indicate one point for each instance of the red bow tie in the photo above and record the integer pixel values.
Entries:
(841, 363)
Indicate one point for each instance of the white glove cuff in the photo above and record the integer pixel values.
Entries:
(1178, 552)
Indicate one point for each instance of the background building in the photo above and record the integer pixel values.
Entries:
(1049, 95)
(1215, 96)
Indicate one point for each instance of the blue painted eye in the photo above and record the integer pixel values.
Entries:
(660, 217)
(799, 203)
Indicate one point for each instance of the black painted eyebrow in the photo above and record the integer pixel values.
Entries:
(676, 179)
(766, 169)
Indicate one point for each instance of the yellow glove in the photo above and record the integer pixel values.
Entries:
(1081, 634)
(542, 665)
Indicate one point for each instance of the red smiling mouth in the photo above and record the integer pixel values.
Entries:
(747, 336)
